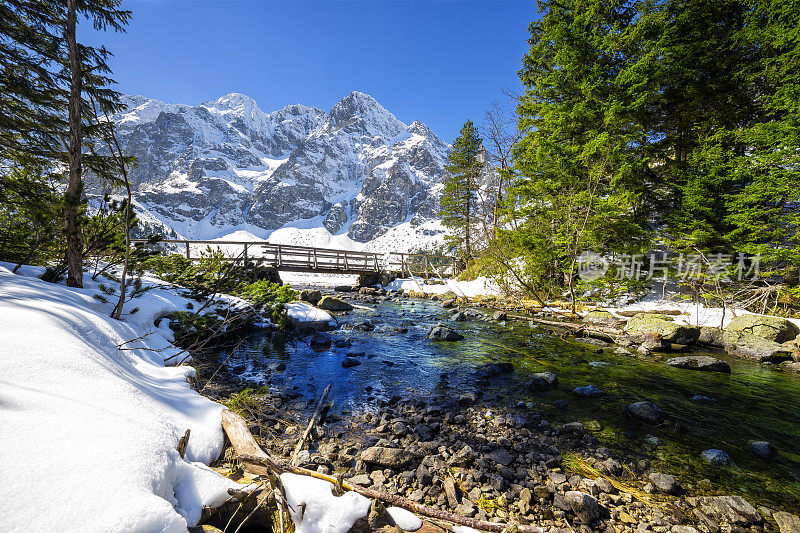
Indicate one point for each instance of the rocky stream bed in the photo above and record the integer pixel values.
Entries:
(514, 422)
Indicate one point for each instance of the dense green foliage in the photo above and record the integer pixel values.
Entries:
(213, 275)
(459, 203)
(675, 118)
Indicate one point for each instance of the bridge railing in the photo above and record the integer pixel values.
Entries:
(311, 259)
(281, 256)
(426, 265)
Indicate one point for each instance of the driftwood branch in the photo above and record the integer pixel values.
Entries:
(259, 462)
(311, 423)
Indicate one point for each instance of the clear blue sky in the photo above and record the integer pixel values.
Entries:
(437, 61)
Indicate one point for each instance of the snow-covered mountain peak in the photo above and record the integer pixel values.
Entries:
(354, 174)
(237, 103)
(361, 113)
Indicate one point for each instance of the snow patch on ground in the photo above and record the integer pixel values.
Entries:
(406, 520)
(95, 425)
(324, 512)
(305, 312)
(478, 287)
(693, 314)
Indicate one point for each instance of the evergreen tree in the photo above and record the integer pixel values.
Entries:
(460, 196)
(50, 86)
(581, 166)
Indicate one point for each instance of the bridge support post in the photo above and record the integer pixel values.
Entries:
(368, 279)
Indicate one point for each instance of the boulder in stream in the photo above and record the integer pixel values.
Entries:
(772, 328)
(331, 303)
(349, 362)
(700, 362)
(665, 483)
(542, 381)
(748, 346)
(311, 296)
(444, 333)
(662, 327)
(646, 411)
(763, 449)
(716, 457)
(600, 316)
(589, 391)
(711, 336)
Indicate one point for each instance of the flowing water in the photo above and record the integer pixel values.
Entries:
(706, 409)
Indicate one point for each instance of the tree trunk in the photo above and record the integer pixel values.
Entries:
(75, 186)
(468, 221)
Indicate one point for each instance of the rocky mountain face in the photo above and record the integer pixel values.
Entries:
(225, 165)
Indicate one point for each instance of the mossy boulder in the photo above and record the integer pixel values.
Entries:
(749, 346)
(449, 295)
(661, 327)
(711, 336)
(331, 303)
(600, 316)
(772, 328)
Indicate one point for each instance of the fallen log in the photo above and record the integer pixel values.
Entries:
(259, 462)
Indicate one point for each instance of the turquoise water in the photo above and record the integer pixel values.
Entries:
(754, 402)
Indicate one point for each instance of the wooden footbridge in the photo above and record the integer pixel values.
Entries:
(292, 258)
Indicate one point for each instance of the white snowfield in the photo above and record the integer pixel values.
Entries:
(89, 432)
(478, 287)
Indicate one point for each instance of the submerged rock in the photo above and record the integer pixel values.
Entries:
(349, 362)
(716, 457)
(647, 412)
(444, 333)
(763, 449)
(665, 483)
(772, 328)
(495, 369)
(589, 391)
(460, 316)
(700, 362)
(663, 328)
(320, 341)
(331, 303)
(542, 381)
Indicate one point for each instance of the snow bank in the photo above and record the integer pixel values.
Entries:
(691, 313)
(324, 512)
(90, 428)
(305, 312)
(317, 279)
(478, 287)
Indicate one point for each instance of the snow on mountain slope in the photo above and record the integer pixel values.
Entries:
(346, 178)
